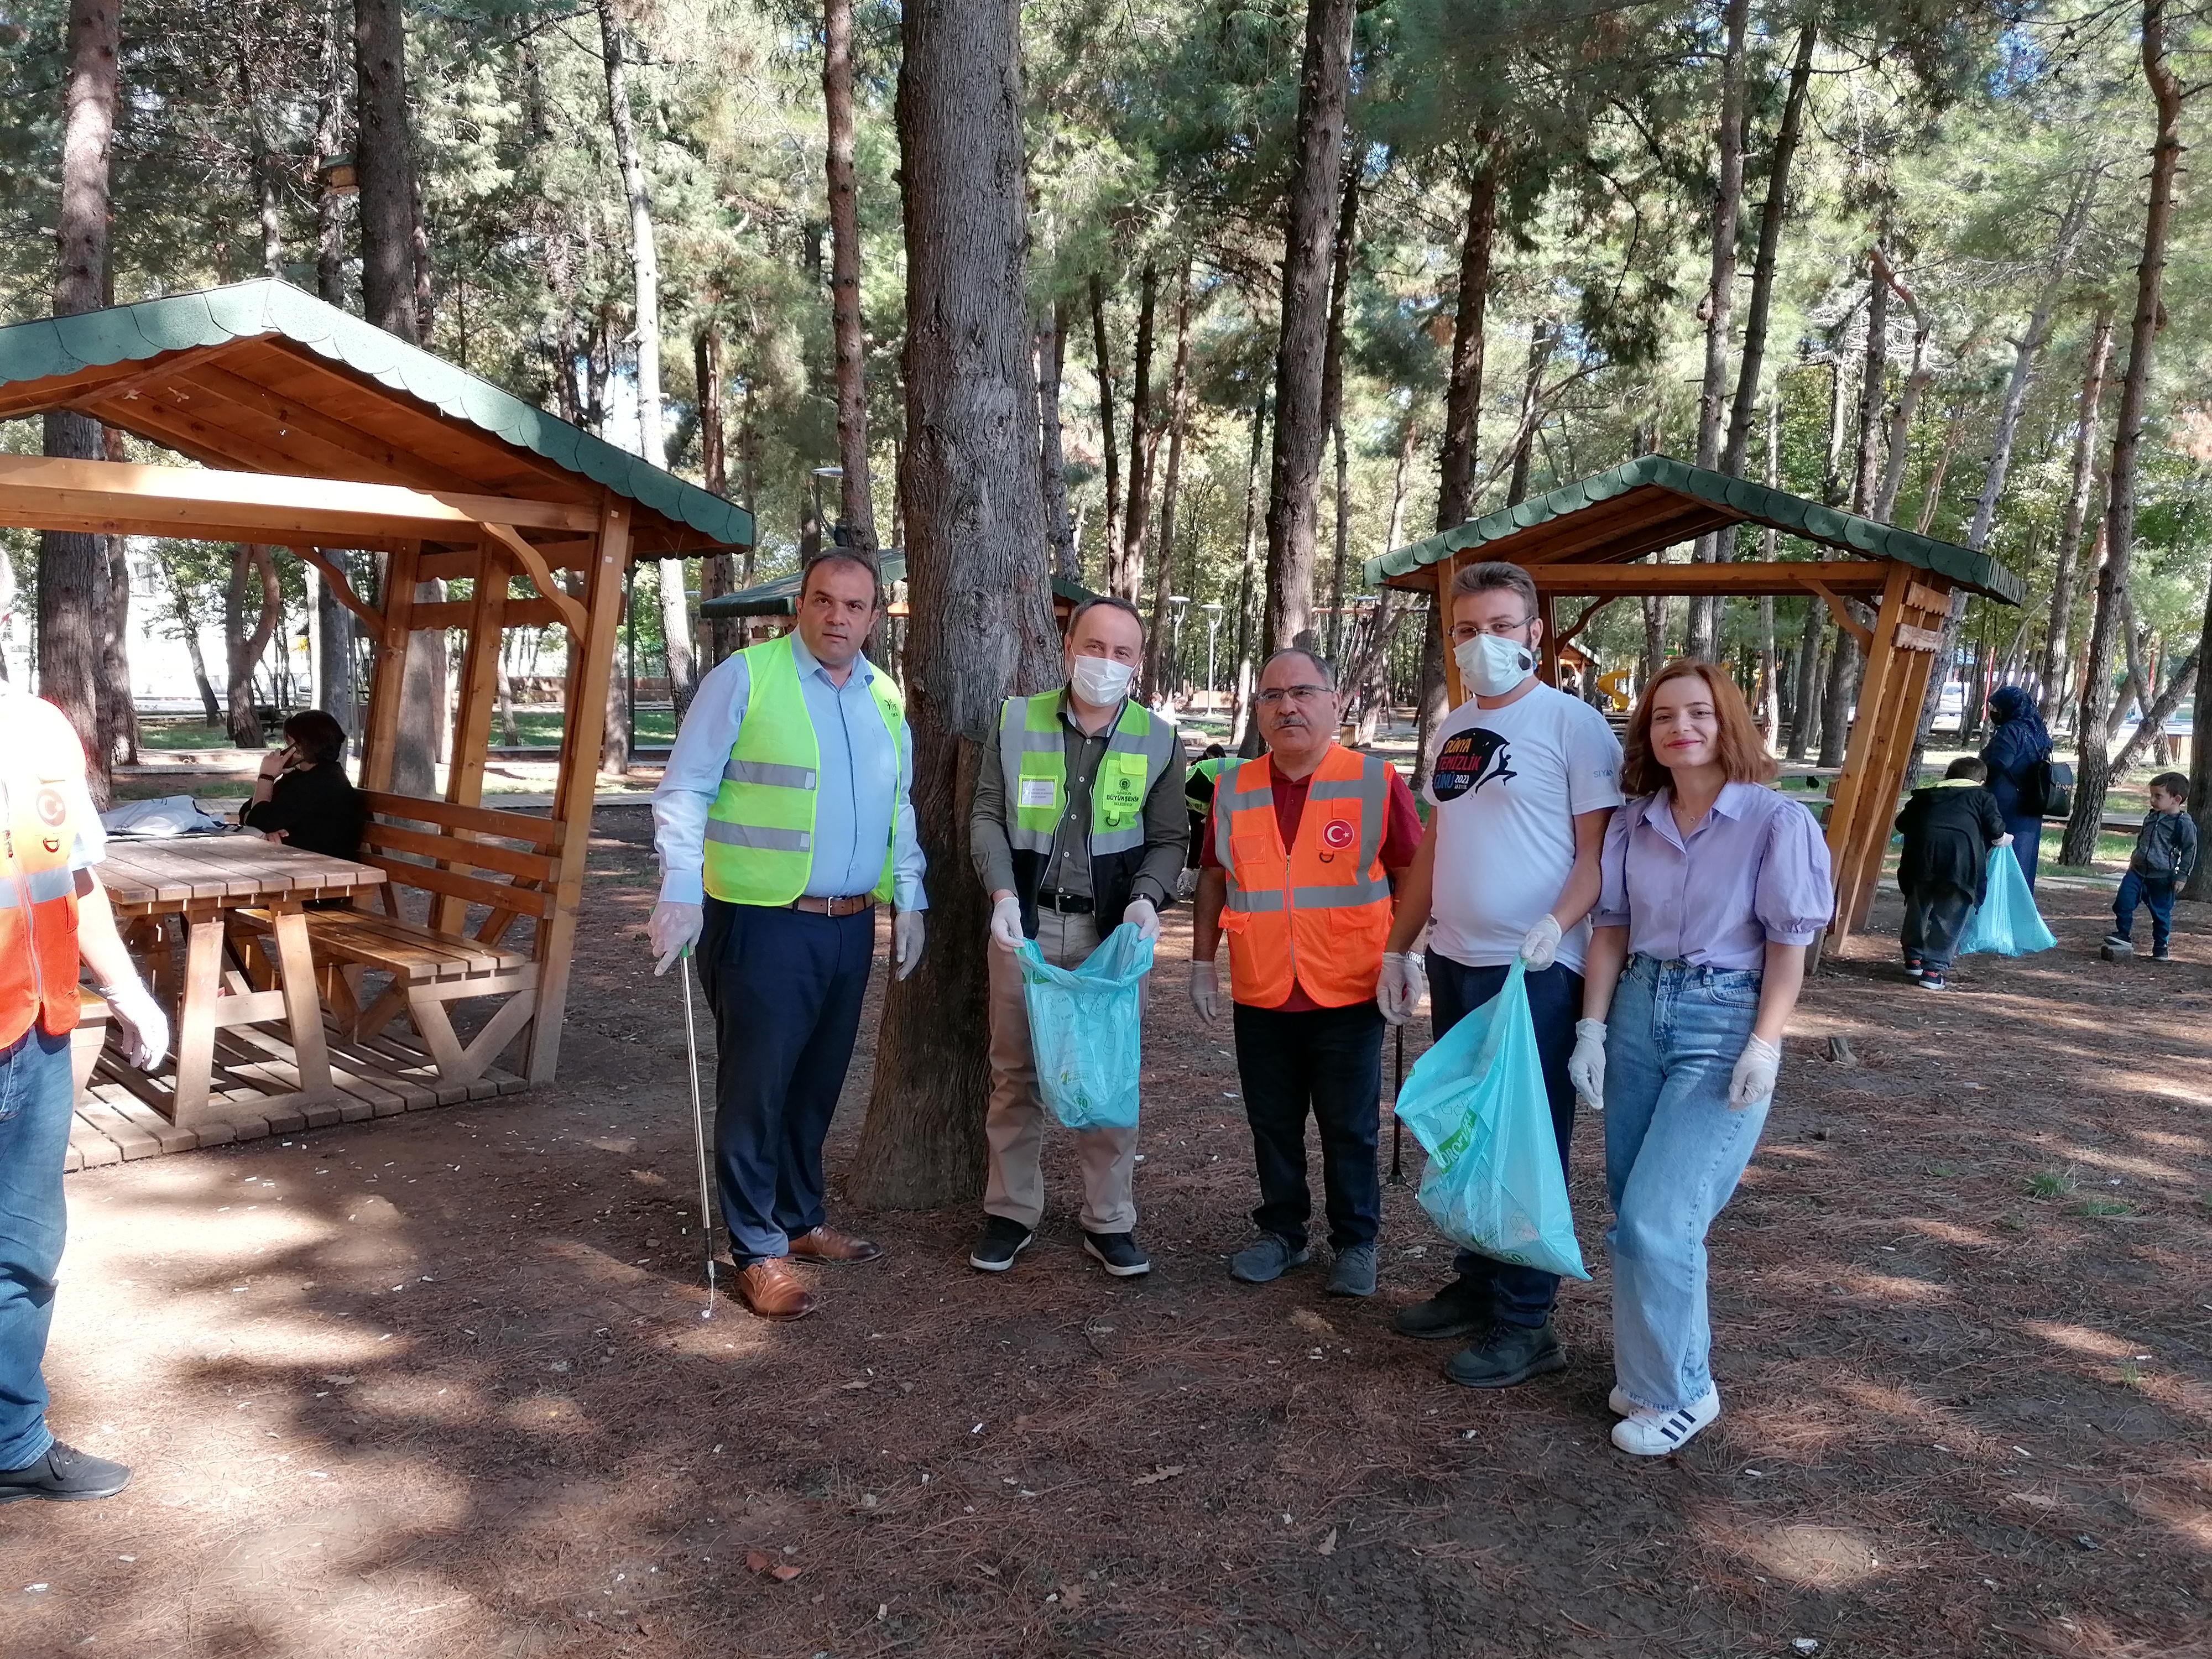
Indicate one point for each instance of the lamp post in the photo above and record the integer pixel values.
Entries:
(821, 473)
(1212, 609)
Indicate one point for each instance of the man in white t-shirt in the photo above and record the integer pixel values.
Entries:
(1521, 781)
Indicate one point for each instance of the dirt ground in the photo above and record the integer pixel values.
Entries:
(439, 1385)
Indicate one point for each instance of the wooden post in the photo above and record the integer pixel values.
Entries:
(475, 707)
(1547, 610)
(1447, 569)
(381, 729)
(580, 768)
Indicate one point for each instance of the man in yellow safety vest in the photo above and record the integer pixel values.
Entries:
(782, 821)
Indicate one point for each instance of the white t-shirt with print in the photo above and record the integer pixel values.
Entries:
(1506, 784)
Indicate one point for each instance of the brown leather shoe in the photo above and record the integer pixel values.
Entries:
(828, 1244)
(772, 1291)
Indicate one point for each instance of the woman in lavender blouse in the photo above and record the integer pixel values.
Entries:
(1712, 887)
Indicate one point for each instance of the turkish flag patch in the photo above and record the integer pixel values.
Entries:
(1337, 833)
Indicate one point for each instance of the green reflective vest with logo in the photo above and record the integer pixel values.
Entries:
(1033, 757)
(760, 830)
(1201, 801)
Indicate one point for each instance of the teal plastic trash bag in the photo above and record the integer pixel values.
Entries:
(1086, 1030)
(2006, 923)
(1476, 1104)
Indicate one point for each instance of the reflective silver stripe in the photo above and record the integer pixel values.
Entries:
(1339, 789)
(43, 885)
(769, 772)
(1347, 897)
(758, 838)
(1375, 809)
(1246, 800)
(1268, 898)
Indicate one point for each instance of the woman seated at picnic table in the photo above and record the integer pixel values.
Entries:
(303, 797)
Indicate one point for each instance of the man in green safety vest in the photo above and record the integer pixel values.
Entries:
(783, 822)
(1078, 825)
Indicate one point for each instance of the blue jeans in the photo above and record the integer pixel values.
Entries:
(1329, 1061)
(1673, 1152)
(786, 988)
(35, 1125)
(1519, 1295)
(2137, 889)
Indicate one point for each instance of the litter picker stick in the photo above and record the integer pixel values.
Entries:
(698, 1131)
(1397, 1129)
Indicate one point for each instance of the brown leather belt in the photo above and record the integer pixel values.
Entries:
(849, 906)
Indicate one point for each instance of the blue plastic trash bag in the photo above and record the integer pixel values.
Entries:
(2006, 923)
(1476, 1102)
(1086, 1030)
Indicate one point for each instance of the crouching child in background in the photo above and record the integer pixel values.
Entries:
(2166, 852)
(1948, 830)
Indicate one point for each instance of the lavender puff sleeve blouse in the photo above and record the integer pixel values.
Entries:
(1755, 872)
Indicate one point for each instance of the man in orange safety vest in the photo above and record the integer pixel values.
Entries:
(52, 913)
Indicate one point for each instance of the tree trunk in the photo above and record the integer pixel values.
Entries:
(1720, 304)
(1144, 446)
(1463, 387)
(1804, 699)
(1159, 672)
(243, 645)
(1769, 693)
(855, 495)
(1308, 232)
(1543, 340)
(73, 579)
(1110, 571)
(644, 270)
(2199, 885)
(119, 727)
(1772, 217)
(977, 582)
(1908, 397)
(2091, 771)
(329, 143)
(1332, 387)
(1873, 378)
(718, 572)
(1247, 586)
(383, 167)
(1429, 710)
(1051, 351)
(2056, 656)
(262, 168)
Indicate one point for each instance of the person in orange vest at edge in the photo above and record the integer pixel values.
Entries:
(1302, 855)
(52, 912)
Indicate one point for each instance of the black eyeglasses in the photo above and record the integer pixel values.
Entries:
(1274, 698)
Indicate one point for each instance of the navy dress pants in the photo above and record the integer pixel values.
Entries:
(1522, 1296)
(785, 986)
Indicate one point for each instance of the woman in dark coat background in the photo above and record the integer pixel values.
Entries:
(2015, 749)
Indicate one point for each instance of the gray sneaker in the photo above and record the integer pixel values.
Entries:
(1354, 1273)
(1268, 1257)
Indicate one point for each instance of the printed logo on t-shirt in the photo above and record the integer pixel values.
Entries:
(1469, 760)
(1336, 833)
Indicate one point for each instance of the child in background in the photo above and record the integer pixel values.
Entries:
(2166, 852)
(1948, 830)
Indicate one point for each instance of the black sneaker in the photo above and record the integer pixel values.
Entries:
(1931, 979)
(1117, 1253)
(64, 1475)
(1912, 965)
(1002, 1240)
(1507, 1354)
(1460, 1309)
(2118, 941)
(2160, 953)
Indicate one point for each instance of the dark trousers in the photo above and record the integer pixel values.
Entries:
(1935, 915)
(1522, 1296)
(2137, 888)
(785, 986)
(1328, 1060)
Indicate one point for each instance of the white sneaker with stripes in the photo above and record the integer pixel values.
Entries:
(1646, 1434)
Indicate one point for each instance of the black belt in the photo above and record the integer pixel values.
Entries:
(1066, 904)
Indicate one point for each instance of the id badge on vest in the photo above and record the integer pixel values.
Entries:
(1035, 793)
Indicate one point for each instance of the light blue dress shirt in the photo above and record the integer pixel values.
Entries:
(862, 789)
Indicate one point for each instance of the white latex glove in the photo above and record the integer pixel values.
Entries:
(1541, 945)
(1007, 924)
(1753, 1079)
(1404, 983)
(673, 930)
(1586, 1065)
(2005, 840)
(145, 1027)
(909, 934)
(1205, 990)
(1145, 915)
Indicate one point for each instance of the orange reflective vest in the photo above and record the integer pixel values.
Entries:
(41, 780)
(1316, 914)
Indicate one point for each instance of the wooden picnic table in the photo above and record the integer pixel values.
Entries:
(192, 883)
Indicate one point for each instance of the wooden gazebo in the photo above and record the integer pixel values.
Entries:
(1592, 539)
(314, 431)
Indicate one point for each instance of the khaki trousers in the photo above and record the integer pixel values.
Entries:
(1015, 1124)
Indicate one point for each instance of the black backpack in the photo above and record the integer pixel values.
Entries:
(2048, 790)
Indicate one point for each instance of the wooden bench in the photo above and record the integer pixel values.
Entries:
(458, 857)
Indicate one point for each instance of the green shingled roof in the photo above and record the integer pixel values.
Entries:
(1746, 502)
(50, 346)
(779, 597)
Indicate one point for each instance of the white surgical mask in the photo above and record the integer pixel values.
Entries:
(1101, 680)
(1491, 664)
